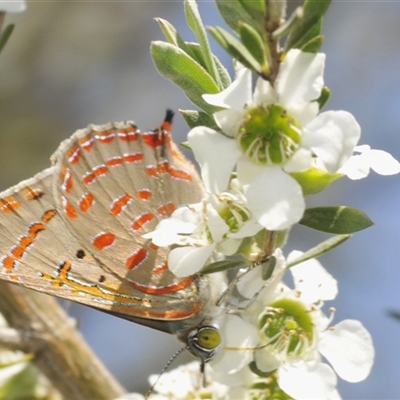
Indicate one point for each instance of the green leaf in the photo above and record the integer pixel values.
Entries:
(320, 249)
(289, 24)
(314, 180)
(339, 220)
(5, 35)
(253, 368)
(235, 48)
(267, 268)
(198, 118)
(176, 65)
(232, 12)
(22, 385)
(195, 23)
(256, 9)
(309, 25)
(222, 71)
(219, 266)
(313, 45)
(253, 42)
(173, 37)
(313, 32)
(324, 97)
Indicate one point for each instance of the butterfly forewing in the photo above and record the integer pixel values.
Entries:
(131, 183)
(75, 230)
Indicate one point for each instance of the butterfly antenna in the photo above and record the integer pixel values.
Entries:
(167, 365)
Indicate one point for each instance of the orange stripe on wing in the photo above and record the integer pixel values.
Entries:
(175, 287)
(166, 209)
(86, 201)
(136, 258)
(32, 194)
(9, 204)
(119, 204)
(141, 220)
(144, 194)
(103, 240)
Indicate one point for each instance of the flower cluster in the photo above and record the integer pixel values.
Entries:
(264, 140)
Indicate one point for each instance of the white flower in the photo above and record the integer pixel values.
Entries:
(186, 382)
(270, 133)
(359, 165)
(12, 6)
(205, 231)
(293, 333)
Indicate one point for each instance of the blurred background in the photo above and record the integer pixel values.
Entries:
(69, 64)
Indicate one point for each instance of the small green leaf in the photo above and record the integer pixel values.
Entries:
(5, 35)
(253, 367)
(176, 65)
(173, 37)
(235, 48)
(267, 268)
(314, 180)
(309, 26)
(313, 45)
(222, 71)
(232, 12)
(308, 36)
(339, 220)
(320, 249)
(195, 23)
(219, 266)
(289, 24)
(324, 97)
(256, 9)
(22, 385)
(253, 42)
(198, 118)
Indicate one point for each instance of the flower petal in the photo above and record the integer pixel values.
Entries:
(217, 156)
(237, 334)
(307, 380)
(264, 93)
(382, 162)
(216, 224)
(188, 260)
(332, 136)
(168, 230)
(312, 280)
(275, 199)
(229, 121)
(300, 79)
(356, 167)
(301, 161)
(235, 95)
(348, 347)
(266, 360)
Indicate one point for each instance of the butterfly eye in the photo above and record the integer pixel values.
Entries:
(209, 338)
(204, 343)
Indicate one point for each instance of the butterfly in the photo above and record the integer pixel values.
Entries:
(75, 231)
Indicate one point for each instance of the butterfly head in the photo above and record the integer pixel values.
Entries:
(204, 343)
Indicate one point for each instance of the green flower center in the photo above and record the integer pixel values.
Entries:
(234, 212)
(287, 327)
(269, 135)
